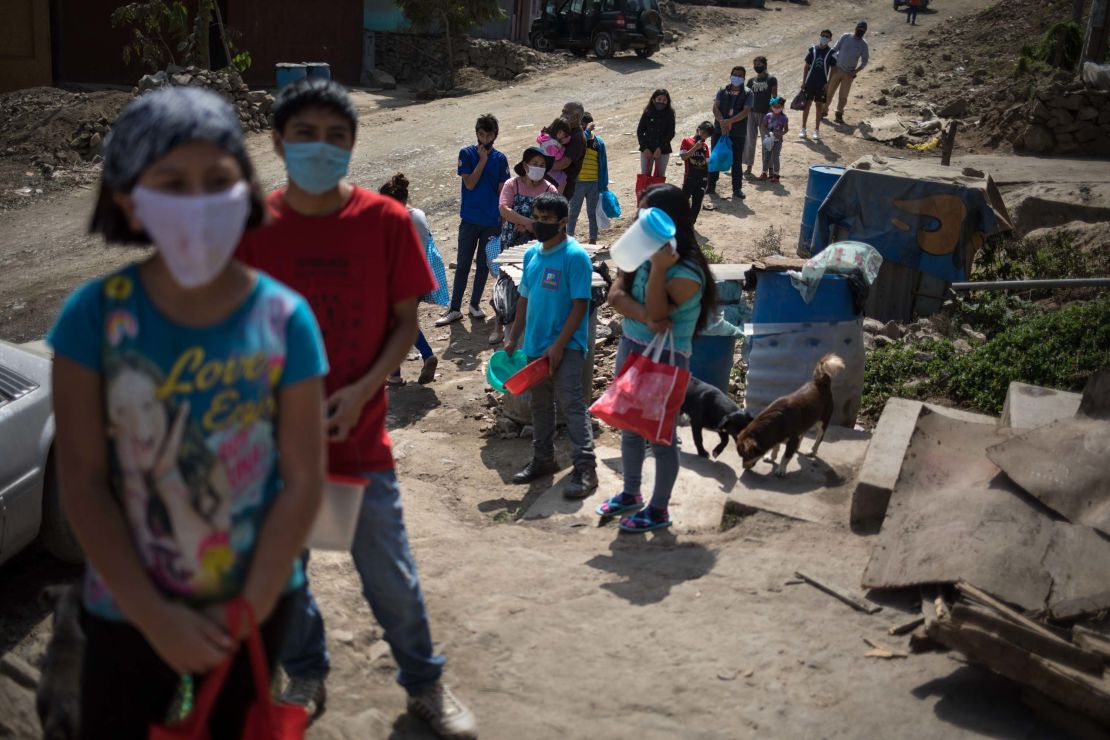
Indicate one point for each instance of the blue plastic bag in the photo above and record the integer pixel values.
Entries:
(610, 204)
(441, 296)
(493, 249)
(720, 159)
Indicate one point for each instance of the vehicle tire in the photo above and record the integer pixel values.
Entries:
(603, 45)
(55, 533)
(542, 43)
(645, 53)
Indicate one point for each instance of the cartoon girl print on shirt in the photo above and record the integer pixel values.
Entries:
(175, 490)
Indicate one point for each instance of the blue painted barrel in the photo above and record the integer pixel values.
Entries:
(288, 73)
(711, 360)
(318, 70)
(822, 177)
(788, 337)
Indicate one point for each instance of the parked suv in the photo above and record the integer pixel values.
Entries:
(604, 26)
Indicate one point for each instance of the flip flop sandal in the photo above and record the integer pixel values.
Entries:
(615, 507)
(643, 522)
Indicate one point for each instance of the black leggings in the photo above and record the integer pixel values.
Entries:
(126, 687)
(694, 189)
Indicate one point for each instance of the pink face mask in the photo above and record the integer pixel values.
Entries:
(195, 234)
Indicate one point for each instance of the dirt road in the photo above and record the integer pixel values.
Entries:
(558, 632)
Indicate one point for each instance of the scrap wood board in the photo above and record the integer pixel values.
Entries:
(955, 517)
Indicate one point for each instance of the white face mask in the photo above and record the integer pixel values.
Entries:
(195, 234)
(824, 41)
(536, 173)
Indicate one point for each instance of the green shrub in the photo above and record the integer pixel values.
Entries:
(1059, 48)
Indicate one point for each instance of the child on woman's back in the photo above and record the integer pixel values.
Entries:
(553, 141)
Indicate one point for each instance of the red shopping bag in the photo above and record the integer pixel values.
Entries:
(265, 719)
(643, 182)
(646, 395)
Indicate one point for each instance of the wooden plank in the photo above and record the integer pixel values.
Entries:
(1079, 691)
(905, 627)
(1096, 642)
(839, 593)
(984, 598)
(1049, 647)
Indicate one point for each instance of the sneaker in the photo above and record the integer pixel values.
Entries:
(448, 717)
(449, 318)
(840, 118)
(310, 693)
(583, 482)
(497, 336)
(775, 179)
(428, 372)
(762, 176)
(817, 135)
(535, 470)
(477, 313)
(738, 195)
(802, 134)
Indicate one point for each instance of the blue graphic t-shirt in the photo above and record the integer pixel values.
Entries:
(192, 425)
(553, 280)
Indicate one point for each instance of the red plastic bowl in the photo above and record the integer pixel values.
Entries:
(531, 376)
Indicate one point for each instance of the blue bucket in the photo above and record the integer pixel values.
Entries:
(288, 73)
(779, 302)
(822, 177)
(318, 70)
(711, 360)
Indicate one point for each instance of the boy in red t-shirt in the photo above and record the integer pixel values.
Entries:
(355, 256)
(694, 151)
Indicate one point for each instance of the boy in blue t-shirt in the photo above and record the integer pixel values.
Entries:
(554, 300)
(482, 171)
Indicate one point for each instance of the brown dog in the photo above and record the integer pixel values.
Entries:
(788, 418)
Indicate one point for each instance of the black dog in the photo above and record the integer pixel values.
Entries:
(709, 408)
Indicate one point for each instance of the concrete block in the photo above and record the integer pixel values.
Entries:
(883, 463)
(1029, 406)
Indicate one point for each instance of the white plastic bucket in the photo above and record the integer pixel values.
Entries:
(335, 525)
(643, 238)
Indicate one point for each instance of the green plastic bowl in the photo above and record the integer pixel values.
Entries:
(502, 366)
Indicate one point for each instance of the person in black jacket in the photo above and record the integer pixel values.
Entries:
(655, 133)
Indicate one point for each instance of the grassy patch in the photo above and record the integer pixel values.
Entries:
(1052, 348)
(1059, 48)
(734, 514)
(712, 256)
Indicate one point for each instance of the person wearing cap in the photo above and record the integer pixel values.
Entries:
(356, 256)
(190, 443)
(517, 197)
(852, 54)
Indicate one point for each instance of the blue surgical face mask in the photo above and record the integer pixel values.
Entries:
(736, 81)
(316, 166)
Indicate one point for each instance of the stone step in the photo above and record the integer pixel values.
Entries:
(697, 502)
(1030, 406)
(882, 463)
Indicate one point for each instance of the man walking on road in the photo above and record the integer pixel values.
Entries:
(355, 256)
(852, 54)
(571, 163)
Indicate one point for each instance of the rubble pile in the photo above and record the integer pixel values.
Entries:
(1065, 119)
(253, 106)
(405, 58)
(56, 128)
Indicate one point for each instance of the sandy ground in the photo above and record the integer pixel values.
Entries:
(574, 632)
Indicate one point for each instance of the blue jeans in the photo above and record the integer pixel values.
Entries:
(588, 192)
(472, 239)
(389, 582)
(633, 445)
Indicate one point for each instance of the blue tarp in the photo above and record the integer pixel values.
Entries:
(929, 225)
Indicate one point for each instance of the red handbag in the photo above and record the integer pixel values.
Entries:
(643, 182)
(265, 719)
(646, 395)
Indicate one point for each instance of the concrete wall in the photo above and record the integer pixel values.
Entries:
(25, 44)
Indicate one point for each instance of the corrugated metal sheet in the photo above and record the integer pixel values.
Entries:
(295, 31)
